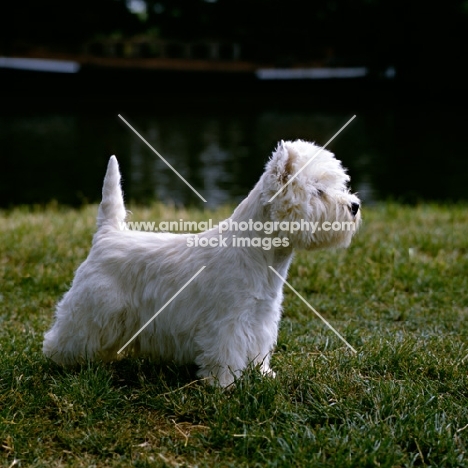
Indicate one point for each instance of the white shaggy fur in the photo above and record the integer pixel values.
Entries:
(228, 316)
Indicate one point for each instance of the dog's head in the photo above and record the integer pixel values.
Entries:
(304, 183)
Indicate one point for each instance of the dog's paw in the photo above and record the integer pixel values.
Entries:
(268, 371)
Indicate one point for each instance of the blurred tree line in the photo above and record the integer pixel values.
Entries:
(413, 35)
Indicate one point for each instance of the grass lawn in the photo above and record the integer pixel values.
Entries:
(399, 295)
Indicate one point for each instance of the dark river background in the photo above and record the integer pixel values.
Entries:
(220, 144)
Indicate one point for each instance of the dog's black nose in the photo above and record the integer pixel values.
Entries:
(354, 208)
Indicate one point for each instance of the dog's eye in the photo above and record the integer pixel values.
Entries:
(354, 208)
(320, 192)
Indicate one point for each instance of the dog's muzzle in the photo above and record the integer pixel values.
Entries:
(354, 208)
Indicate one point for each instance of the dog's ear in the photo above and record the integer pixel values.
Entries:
(285, 162)
(282, 164)
(288, 164)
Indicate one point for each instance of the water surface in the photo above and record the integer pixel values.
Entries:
(221, 149)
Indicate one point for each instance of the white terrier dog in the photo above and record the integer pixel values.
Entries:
(228, 316)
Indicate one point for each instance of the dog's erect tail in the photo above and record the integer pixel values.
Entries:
(112, 209)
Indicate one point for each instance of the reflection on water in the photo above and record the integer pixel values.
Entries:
(211, 155)
(396, 154)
